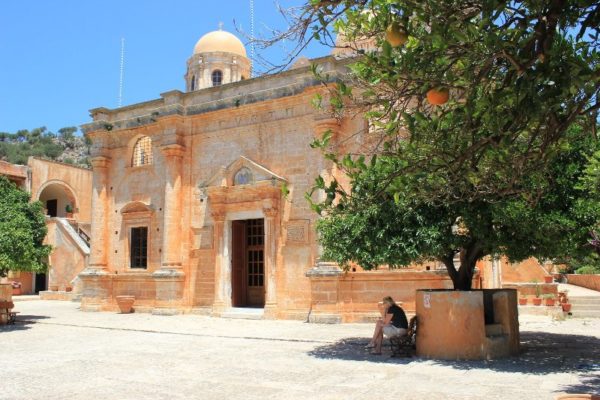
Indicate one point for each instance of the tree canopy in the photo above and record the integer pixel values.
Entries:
(492, 168)
(22, 231)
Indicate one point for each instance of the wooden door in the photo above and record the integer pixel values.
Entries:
(238, 264)
(255, 262)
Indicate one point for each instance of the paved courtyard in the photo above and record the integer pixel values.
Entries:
(59, 352)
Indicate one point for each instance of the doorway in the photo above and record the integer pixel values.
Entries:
(248, 263)
(40, 282)
(52, 207)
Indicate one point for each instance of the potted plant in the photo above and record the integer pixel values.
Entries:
(548, 279)
(16, 288)
(566, 307)
(69, 210)
(549, 300)
(522, 300)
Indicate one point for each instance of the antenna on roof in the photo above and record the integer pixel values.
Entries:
(122, 68)
(252, 38)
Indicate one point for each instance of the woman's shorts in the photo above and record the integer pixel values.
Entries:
(390, 330)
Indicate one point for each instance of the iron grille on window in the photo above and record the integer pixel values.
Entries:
(139, 247)
(142, 152)
(217, 77)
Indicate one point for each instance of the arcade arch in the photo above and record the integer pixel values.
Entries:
(57, 197)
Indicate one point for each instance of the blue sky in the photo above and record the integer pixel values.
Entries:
(61, 58)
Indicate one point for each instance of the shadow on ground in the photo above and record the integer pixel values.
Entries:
(23, 322)
(541, 353)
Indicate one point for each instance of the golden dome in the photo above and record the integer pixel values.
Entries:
(220, 41)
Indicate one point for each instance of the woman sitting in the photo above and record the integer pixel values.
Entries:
(392, 322)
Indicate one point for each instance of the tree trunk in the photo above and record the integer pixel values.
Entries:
(463, 278)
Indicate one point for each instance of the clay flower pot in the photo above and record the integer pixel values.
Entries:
(566, 307)
(68, 288)
(548, 279)
(537, 301)
(550, 302)
(125, 303)
(522, 301)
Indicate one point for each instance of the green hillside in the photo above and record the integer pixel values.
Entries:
(64, 146)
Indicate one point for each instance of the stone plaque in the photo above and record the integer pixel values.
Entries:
(297, 232)
(203, 238)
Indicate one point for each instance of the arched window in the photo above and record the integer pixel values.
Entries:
(217, 77)
(142, 152)
(243, 177)
(193, 84)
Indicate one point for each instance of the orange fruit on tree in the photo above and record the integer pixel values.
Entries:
(395, 35)
(438, 96)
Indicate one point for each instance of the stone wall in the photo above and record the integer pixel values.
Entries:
(353, 296)
(587, 281)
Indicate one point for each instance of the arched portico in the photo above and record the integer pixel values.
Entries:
(58, 197)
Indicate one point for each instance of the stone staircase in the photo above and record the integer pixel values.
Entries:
(585, 306)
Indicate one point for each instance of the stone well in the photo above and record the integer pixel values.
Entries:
(467, 325)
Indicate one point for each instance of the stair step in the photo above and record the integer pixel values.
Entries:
(585, 314)
(591, 307)
(243, 313)
(582, 301)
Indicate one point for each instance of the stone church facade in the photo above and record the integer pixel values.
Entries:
(188, 207)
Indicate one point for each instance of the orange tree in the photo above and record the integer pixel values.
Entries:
(471, 108)
(22, 231)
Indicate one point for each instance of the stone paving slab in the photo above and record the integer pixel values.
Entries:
(59, 352)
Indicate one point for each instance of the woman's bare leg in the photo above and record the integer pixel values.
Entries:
(378, 332)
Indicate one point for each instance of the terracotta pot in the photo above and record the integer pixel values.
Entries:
(53, 288)
(550, 302)
(522, 301)
(566, 307)
(548, 279)
(125, 303)
(68, 288)
(537, 301)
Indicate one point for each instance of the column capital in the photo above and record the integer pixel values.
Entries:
(218, 216)
(173, 150)
(270, 212)
(100, 162)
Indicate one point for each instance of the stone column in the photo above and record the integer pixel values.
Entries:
(100, 213)
(96, 291)
(271, 233)
(169, 279)
(171, 248)
(222, 265)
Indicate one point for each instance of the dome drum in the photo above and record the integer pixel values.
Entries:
(217, 54)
